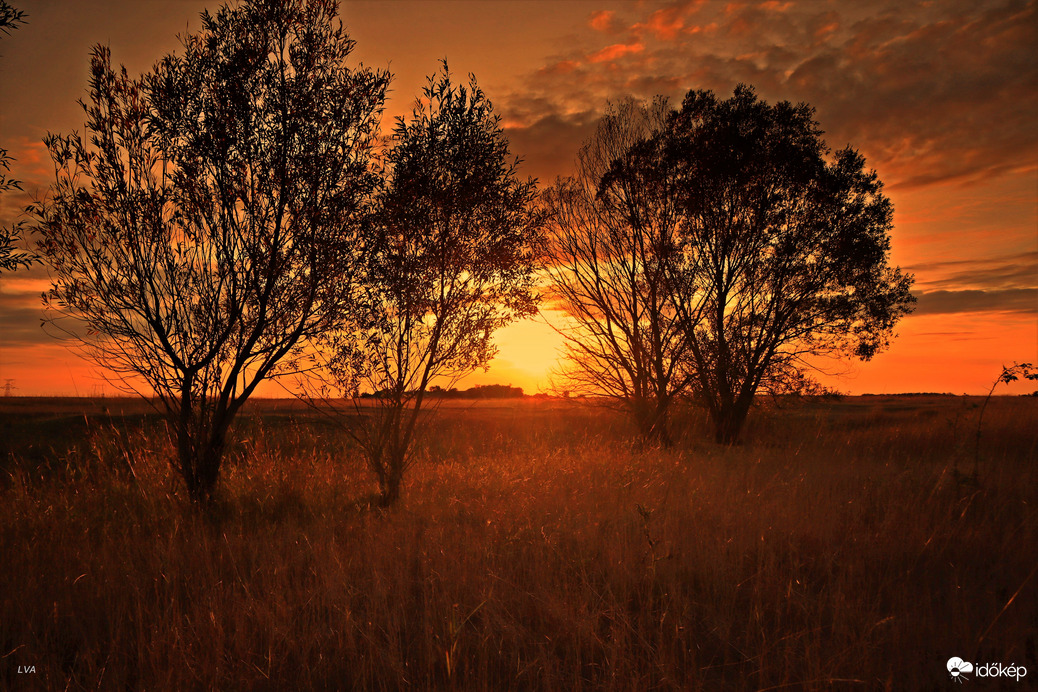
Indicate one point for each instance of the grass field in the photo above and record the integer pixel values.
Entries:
(843, 545)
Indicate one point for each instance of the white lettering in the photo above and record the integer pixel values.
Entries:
(957, 668)
(998, 670)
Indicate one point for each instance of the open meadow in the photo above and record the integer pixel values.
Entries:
(843, 545)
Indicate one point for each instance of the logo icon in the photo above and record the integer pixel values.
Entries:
(958, 668)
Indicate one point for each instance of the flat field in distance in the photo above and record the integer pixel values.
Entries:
(843, 545)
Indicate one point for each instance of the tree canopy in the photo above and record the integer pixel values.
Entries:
(784, 249)
(714, 250)
(449, 259)
(207, 223)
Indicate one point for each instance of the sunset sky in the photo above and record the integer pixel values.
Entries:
(941, 98)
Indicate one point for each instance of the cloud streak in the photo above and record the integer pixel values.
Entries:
(1012, 300)
(999, 273)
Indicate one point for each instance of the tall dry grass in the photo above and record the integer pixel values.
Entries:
(535, 548)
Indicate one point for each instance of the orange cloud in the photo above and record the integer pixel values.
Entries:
(30, 161)
(604, 21)
(701, 29)
(823, 31)
(561, 67)
(617, 50)
(665, 23)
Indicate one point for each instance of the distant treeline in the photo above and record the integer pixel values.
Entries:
(489, 391)
(905, 394)
(910, 394)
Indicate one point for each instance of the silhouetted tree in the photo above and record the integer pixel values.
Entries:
(10, 237)
(612, 235)
(208, 223)
(784, 249)
(449, 260)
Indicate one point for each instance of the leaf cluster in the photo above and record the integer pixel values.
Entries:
(11, 236)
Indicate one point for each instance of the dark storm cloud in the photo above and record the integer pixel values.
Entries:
(931, 98)
(929, 93)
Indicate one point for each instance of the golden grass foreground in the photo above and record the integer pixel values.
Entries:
(843, 545)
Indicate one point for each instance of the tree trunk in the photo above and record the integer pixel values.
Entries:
(661, 427)
(729, 420)
(655, 430)
(390, 482)
(651, 419)
(200, 465)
